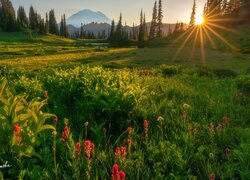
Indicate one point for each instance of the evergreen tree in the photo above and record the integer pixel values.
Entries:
(145, 29)
(153, 26)
(134, 34)
(61, 27)
(169, 30)
(53, 28)
(32, 18)
(42, 26)
(46, 24)
(112, 30)
(65, 28)
(21, 17)
(192, 18)
(159, 20)
(7, 16)
(141, 32)
(118, 31)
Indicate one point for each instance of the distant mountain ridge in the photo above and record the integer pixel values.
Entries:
(87, 16)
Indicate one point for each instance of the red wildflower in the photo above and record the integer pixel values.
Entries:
(211, 128)
(184, 114)
(19, 139)
(129, 129)
(227, 151)
(145, 124)
(219, 127)
(118, 151)
(65, 133)
(115, 169)
(17, 129)
(122, 175)
(124, 151)
(56, 120)
(78, 148)
(212, 176)
(89, 147)
(129, 141)
(116, 174)
(225, 120)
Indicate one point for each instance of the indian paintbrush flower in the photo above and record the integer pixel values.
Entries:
(227, 151)
(89, 147)
(56, 120)
(212, 176)
(211, 128)
(65, 133)
(116, 174)
(219, 127)
(17, 129)
(78, 148)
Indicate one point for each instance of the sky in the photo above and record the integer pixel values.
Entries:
(173, 10)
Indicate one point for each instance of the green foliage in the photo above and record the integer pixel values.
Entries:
(101, 103)
(170, 70)
(225, 73)
(243, 84)
(22, 125)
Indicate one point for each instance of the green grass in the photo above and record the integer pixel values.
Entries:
(38, 51)
(128, 89)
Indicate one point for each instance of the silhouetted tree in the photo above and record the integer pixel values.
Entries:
(32, 18)
(53, 28)
(153, 26)
(159, 20)
(21, 17)
(46, 24)
(192, 18)
(7, 16)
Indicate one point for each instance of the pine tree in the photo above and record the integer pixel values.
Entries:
(169, 30)
(118, 31)
(145, 29)
(141, 33)
(65, 28)
(153, 26)
(159, 20)
(32, 18)
(192, 18)
(7, 16)
(53, 28)
(61, 27)
(112, 30)
(21, 17)
(42, 26)
(47, 24)
(134, 34)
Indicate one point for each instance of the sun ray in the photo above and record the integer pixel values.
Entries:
(222, 39)
(202, 46)
(220, 27)
(209, 38)
(183, 34)
(194, 43)
(184, 43)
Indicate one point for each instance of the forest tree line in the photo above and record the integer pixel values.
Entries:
(214, 11)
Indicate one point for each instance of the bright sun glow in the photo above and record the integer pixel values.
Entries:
(199, 20)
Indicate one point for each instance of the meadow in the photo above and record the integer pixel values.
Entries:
(75, 111)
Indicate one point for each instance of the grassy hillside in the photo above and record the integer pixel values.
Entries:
(37, 51)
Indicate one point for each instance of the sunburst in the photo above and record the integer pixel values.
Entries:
(206, 29)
